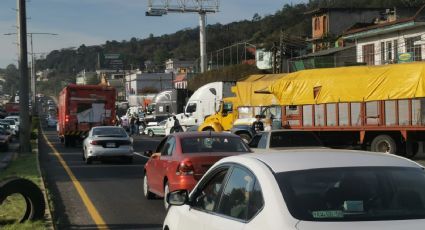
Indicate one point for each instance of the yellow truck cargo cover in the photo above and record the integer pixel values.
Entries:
(351, 84)
(245, 90)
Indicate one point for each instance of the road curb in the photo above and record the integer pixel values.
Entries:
(49, 214)
(7, 158)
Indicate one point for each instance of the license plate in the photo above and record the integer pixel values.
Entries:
(110, 145)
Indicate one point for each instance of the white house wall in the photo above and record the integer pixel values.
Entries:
(400, 36)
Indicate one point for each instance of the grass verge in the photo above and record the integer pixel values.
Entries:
(24, 166)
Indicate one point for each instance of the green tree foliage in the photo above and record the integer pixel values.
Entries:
(11, 84)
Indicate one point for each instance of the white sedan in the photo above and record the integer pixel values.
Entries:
(158, 129)
(107, 142)
(304, 189)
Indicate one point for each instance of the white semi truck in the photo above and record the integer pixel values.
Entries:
(204, 102)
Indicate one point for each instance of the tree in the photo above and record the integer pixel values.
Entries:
(256, 17)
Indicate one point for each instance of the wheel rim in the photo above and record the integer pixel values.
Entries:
(145, 185)
(384, 147)
(166, 191)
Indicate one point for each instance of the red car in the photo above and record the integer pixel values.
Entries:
(181, 159)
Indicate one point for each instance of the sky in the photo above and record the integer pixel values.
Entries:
(93, 22)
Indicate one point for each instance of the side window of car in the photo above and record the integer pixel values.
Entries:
(161, 145)
(207, 198)
(240, 199)
(256, 201)
(262, 144)
(169, 147)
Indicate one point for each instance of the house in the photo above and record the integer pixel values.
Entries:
(138, 82)
(87, 78)
(179, 66)
(391, 40)
(328, 24)
(332, 57)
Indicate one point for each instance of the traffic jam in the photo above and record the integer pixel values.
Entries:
(289, 158)
(309, 118)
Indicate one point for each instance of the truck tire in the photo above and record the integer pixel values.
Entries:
(67, 141)
(385, 144)
(245, 137)
(208, 129)
(34, 198)
(412, 148)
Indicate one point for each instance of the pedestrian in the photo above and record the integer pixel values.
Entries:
(176, 127)
(137, 125)
(132, 120)
(258, 125)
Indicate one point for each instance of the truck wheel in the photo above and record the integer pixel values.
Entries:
(245, 137)
(412, 149)
(150, 133)
(34, 198)
(67, 141)
(384, 144)
(208, 129)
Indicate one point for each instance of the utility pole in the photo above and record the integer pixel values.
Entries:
(33, 87)
(24, 136)
(202, 7)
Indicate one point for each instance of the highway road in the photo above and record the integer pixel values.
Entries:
(103, 195)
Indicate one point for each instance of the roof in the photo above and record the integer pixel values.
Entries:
(413, 21)
(328, 51)
(292, 160)
(351, 84)
(326, 9)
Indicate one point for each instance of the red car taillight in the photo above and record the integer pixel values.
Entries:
(94, 143)
(185, 168)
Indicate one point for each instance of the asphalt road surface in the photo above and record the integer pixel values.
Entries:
(114, 190)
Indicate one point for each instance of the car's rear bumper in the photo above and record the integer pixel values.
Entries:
(182, 183)
(126, 151)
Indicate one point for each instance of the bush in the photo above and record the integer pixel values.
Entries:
(35, 123)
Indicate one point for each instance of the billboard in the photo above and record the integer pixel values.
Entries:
(111, 61)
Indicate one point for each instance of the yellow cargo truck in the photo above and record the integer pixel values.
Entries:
(242, 108)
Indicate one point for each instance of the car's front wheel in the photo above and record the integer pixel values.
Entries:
(166, 191)
(150, 133)
(148, 195)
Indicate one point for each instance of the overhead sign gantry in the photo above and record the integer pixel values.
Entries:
(202, 7)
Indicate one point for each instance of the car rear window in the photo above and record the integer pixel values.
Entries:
(213, 144)
(294, 139)
(110, 132)
(8, 121)
(354, 194)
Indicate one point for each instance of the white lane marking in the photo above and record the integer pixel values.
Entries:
(140, 155)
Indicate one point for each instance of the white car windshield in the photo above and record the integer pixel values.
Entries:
(354, 194)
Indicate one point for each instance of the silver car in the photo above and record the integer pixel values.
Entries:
(107, 142)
